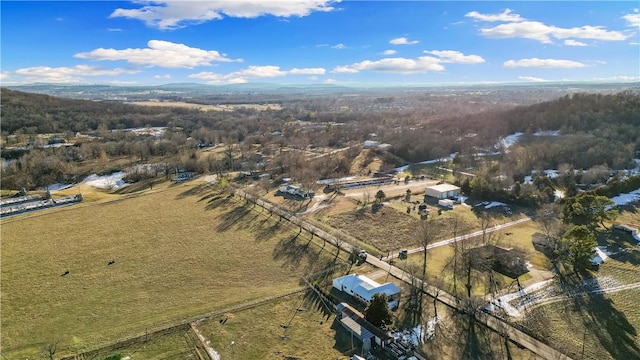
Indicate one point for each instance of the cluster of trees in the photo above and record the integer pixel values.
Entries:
(571, 226)
(598, 133)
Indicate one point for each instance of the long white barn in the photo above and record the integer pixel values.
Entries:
(363, 288)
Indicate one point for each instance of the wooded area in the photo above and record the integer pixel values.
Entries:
(593, 134)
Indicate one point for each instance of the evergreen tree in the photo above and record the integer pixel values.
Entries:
(378, 312)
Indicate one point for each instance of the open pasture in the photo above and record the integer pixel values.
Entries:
(176, 254)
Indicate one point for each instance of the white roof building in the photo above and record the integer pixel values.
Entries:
(442, 191)
(363, 288)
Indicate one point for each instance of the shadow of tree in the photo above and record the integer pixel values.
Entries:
(195, 190)
(290, 252)
(319, 304)
(138, 186)
(608, 325)
(237, 216)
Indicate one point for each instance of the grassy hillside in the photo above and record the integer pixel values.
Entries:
(179, 253)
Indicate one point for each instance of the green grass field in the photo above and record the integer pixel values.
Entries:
(180, 252)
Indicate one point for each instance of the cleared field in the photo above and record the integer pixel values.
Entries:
(178, 253)
(225, 107)
(595, 326)
(258, 333)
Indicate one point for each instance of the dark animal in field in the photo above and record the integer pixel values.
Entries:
(111, 262)
(65, 273)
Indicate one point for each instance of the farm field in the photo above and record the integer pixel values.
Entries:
(258, 333)
(312, 333)
(179, 252)
(606, 325)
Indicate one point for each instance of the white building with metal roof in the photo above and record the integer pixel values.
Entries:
(363, 288)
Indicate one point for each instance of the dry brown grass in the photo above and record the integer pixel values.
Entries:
(179, 252)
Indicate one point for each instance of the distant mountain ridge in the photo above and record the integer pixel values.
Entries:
(106, 92)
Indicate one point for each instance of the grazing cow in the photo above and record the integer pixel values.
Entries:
(111, 262)
(65, 273)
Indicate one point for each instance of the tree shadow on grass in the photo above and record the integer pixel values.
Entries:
(608, 324)
(290, 252)
(319, 303)
(195, 190)
(238, 216)
(270, 225)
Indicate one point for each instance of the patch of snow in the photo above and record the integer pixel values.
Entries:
(624, 199)
(155, 131)
(494, 204)
(427, 162)
(335, 180)
(108, 182)
(503, 301)
(551, 174)
(57, 187)
(509, 140)
(547, 133)
(600, 256)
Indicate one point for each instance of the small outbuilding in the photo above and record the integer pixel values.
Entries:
(442, 191)
(354, 322)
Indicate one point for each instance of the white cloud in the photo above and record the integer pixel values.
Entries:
(571, 42)
(538, 31)
(456, 57)
(402, 41)
(307, 71)
(330, 81)
(170, 15)
(505, 16)
(159, 53)
(114, 29)
(389, 52)
(532, 79)
(253, 72)
(633, 19)
(543, 63)
(394, 65)
(165, 76)
(346, 69)
(67, 74)
(339, 46)
(3, 75)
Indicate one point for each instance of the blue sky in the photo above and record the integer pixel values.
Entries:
(318, 42)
